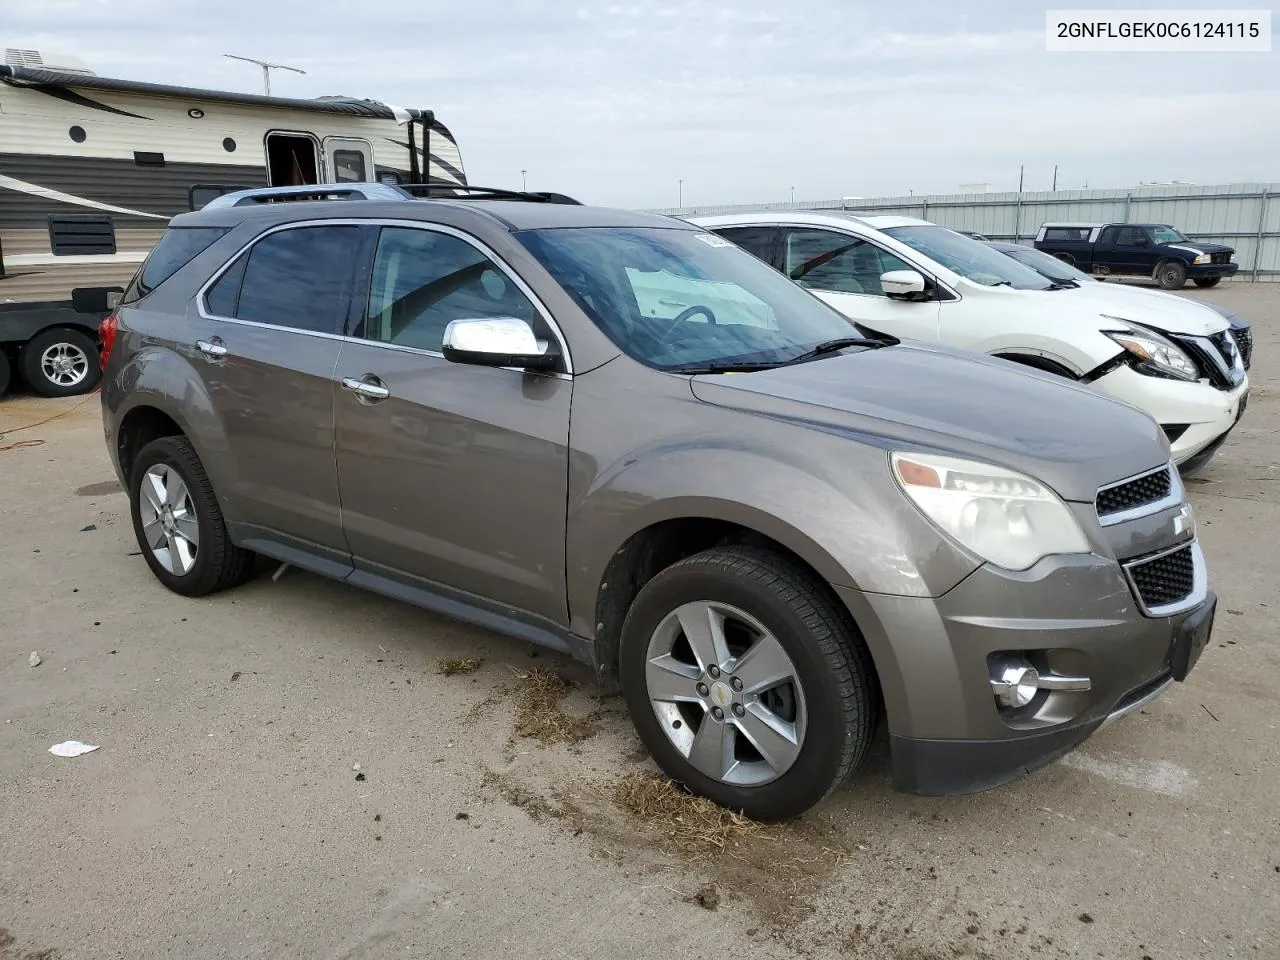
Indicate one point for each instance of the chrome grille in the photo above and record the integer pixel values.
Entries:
(1141, 491)
(1164, 580)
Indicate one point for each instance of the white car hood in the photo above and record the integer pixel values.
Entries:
(1151, 308)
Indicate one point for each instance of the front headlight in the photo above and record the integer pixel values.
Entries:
(1004, 517)
(1203, 258)
(1151, 348)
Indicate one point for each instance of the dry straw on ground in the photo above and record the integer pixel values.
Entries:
(693, 824)
(539, 712)
(453, 666)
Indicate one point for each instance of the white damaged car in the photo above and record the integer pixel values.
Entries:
(910, 278)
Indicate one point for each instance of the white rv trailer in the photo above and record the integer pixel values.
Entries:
(92, 168)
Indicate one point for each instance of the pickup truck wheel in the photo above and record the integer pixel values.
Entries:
(747, 682)
(1207, 281)
(1171, 274)
(178, 523)
(1066, 258)
(60, 362)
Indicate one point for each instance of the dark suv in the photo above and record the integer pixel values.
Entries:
(624, 438)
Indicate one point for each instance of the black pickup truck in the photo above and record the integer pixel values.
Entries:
(1153, 250)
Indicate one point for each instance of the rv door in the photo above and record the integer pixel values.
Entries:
(347, 160)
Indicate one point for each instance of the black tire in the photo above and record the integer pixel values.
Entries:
(219, 564)
(77, 345)
(1204, 282)
(831, 660)
(1066, 258)
(6, 372)
(1171, 274)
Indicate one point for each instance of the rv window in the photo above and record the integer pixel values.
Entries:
(81, 234)
(202, 193)
(348, 167)
(178, 247)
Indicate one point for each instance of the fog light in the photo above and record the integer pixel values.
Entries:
(1016, 685)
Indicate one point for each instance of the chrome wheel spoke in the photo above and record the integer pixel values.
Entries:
(764, 666)
(153, 489)
(188, 529)
(712, 750)
(703, 627)
(176, 492)
(777, 741)
(153, 531)
(671, 681)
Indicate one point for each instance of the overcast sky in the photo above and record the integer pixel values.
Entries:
(741, 99)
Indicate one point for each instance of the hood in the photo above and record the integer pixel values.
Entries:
(1199, 247)
(1151, 308)
(924, 396)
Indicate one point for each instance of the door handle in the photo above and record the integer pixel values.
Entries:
(366, 389)
(212, 348)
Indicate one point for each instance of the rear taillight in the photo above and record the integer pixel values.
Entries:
(107, 331)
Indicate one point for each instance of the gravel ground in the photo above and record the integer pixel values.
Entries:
(494, 812)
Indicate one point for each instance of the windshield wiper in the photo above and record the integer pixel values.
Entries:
(1063, 284)
(722, 366)
(831, 346)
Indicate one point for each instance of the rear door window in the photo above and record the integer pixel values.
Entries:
(299, 278)
(760, 242)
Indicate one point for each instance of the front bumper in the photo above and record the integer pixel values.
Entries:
(1202, 270)
(1202, 413)
(1075, 615)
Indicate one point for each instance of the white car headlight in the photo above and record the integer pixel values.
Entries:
(1004, 517)
(1161, 353)
(1203, 258)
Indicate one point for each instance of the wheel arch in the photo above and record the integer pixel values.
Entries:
(661, 543)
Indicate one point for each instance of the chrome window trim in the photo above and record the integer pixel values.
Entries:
(206, 314)
(1174, 497)
(1199, 581)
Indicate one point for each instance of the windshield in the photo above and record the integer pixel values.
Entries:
(682, 298)
(970, 258)
(1045, 264)
(1167, 235)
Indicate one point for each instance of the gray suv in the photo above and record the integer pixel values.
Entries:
(626, 439)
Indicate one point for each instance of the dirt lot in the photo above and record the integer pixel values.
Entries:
(499, 811)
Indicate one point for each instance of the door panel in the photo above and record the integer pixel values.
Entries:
(348, 160)
(460, 474)
(267, 350)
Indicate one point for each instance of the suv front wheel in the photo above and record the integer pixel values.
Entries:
(747, 683)
(179, 524)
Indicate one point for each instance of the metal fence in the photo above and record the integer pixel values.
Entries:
(1245, 216)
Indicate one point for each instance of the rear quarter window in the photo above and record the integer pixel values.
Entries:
(178, 247)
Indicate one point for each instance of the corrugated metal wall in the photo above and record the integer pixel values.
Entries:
(1242, 215)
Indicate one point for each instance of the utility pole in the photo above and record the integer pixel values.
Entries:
(1055, 176)
(1021, 170)
(524, 181)
(679, 194)
(793, 194)
(267, 66)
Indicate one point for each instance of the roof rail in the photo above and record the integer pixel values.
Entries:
(457, 191)
(312, 191)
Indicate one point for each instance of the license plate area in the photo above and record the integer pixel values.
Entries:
(1192, 638)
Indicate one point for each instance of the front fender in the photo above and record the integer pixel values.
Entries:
(869, 541)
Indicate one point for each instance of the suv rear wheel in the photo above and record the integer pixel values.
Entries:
(178, 523)
(746, 682)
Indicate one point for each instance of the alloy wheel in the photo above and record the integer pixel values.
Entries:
(64, 364)
(169, 523)
(726, 693)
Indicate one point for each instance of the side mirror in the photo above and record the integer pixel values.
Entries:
(496, 342)
(902, 284)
